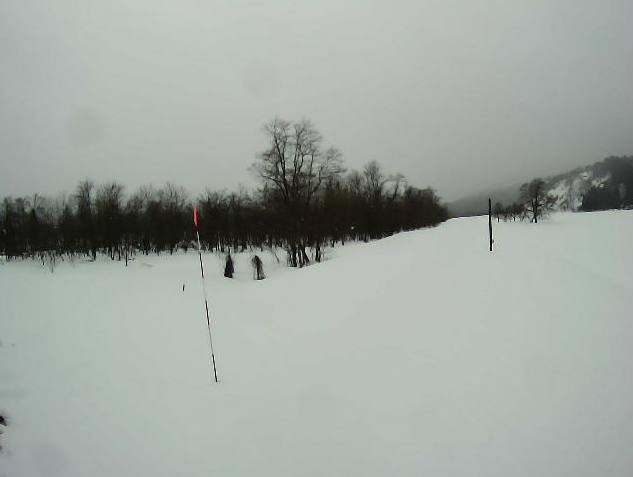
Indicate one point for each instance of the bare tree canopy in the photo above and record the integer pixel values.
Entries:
(296, 163)
(536, 200)
(296, 166)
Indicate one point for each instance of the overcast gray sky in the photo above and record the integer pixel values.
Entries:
(459, 95)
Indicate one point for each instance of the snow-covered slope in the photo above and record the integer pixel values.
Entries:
(568, 190)
(421, 354)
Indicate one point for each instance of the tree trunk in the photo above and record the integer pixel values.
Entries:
(305, 260)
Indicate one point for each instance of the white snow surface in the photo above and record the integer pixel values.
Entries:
(419, 354)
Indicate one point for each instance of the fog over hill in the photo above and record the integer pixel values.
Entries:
(611, 175)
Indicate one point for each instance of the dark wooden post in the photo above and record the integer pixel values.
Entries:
(490, 222)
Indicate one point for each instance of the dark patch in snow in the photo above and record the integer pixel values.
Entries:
(3, 422)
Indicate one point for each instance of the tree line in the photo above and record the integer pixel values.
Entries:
(617, 191)
(307, 201)
(534, 203)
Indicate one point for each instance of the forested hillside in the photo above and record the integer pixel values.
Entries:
(607, 184)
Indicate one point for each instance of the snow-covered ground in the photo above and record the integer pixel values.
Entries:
(420, 354)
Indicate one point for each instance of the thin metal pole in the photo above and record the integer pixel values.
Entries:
(490, 222)
(206, 306)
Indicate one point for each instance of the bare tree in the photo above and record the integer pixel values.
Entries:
(536, 200)
(109, 217)
(375, 181)
(85, 217)
(296, 166)
(173, 199)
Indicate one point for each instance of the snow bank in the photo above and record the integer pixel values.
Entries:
(421, 354)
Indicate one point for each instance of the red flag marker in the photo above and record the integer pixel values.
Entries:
(204, 289)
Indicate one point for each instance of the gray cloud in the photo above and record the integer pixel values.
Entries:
(460, 95)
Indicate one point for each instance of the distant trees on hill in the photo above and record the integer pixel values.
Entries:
(510, 212)
(612, 188)
(617, 191)
(606, 184)
(534, 203)
(306, 201)
(601, 198)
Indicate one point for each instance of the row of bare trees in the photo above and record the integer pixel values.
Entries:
(306, 201)
(534, 203)
(95, 219)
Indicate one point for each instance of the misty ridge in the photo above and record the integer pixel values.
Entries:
(604, 185)
(307, 201)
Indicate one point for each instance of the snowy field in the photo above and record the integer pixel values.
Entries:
(419, 355)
